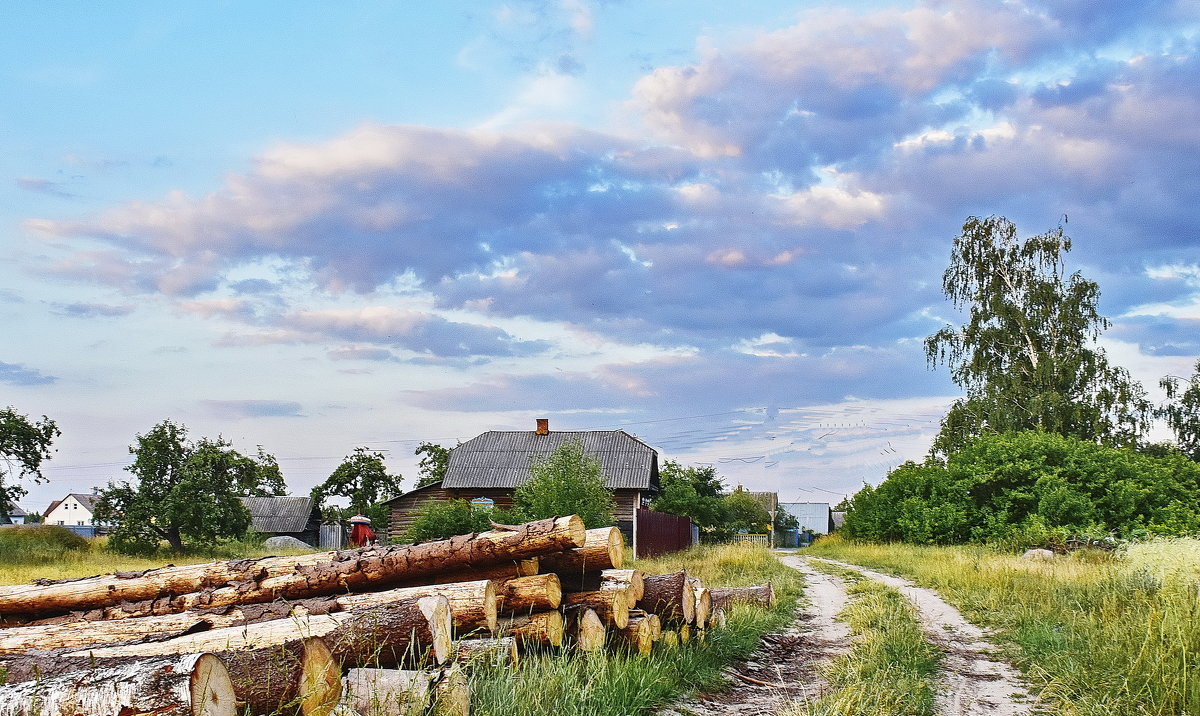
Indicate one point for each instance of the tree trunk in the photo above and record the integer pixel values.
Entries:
(506, 570)
(300, 676)
(611, 605)
(761, 594)
(541, 629)
(187, 685)
(525, 595)
(387, 692)
(269, 578)
(587, 630)
(631, 579)
(603, 548)
(500, 651)
(703, 602)
(639, 634)
(473, 605)
(669, 596)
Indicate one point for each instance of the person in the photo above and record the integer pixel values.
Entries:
(361, 534)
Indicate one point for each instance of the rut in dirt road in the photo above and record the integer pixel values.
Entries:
(790, 662)
(971, 682)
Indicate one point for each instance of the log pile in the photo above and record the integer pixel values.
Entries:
(352, 633)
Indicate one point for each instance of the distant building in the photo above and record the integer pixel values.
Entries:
(814, 516)
(297, 517)
(74, 510)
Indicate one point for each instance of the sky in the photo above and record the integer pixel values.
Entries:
(720, 227)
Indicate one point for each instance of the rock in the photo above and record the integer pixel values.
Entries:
(284, 542)
(1038, 554)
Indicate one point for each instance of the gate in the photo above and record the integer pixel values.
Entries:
(656, 533)
(332, 537)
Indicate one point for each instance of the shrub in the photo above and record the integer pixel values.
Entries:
(445, 519)
(566, 482)
(39, 544)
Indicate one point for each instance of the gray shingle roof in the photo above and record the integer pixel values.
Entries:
(278, 514)
(501, 459)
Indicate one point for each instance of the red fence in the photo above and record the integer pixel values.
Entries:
(658, 533)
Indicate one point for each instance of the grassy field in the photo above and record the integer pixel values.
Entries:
(1098, 634)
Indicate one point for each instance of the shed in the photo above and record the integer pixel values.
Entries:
(287, 516)
(815, 516)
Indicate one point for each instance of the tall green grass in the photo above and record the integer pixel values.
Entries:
(1097, 634)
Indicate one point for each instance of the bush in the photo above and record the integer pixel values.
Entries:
(39, 544)
(566, 482)
(445, 519)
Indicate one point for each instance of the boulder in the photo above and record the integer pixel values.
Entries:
(1037, 554)
(285, 542)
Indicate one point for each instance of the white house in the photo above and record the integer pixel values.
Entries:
(71, 511)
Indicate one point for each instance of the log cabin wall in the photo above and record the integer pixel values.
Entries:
(403, 510)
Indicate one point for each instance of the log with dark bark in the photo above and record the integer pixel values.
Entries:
(498, 572)
(611, 605)
(498, 651)
(187, 685)
(638, 635)
(669, 596)
(630, 579)
(762, 595)
(268, 578)
(524, 595)
(587, 630)
(300, 676)
(603, 548)
(534, 630)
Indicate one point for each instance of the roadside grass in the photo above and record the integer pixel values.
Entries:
(616, 683)
(1095, 633)
(890, 670)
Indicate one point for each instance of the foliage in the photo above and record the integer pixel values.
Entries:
(998, 485)
(1027, 356)
(434, 461)
(784, 521)
(363, 478)
(443, 519)
(34, 518)
(566, 482)
(24, 444)
(744, 512)
(1182, 411)
(693, 492)
(185, 492)
(39, 544)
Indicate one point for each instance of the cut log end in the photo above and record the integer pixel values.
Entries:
(452, 694)
(320, 678)
(589, 631)
(211, 689)
(437, 609)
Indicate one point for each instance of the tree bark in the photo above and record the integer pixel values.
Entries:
(639, 634)
(473, 605)
(761, 594)
(541, 629)
(506, 570)
(499, 651)
(187, 685)
(300, 676)
(269, 578)
(375, 692)
(525, 595)
(587, 630)
(611, 605)
(631, 579)
(603, 548)
(703, 602)
(669, 596)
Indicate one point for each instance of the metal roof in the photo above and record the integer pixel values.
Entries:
(278, 514)
(501, 459)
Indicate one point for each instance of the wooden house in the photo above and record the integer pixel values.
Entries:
(494, 464)
(295, 517)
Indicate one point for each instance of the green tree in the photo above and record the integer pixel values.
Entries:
(24, 444)
(442, 519)
(1027, 357)
(744, 512)
(363, 478)
(566, 482)
(186, 493)
(693, 492)
(1182, 411)
(434, 460)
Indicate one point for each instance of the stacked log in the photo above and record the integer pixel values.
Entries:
(326, 633)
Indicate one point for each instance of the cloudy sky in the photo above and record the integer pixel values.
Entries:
(719, 226)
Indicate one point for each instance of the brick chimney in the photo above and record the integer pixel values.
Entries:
(543, 426)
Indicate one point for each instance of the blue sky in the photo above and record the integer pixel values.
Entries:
(314, 226)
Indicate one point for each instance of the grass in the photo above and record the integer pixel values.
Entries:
(571, 683)
(1096, 633)
(890, 670)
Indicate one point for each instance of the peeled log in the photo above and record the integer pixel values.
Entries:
(610, 605)
(587, 630)
(188, 685)
(501, 651)
(473, 605)
(541, 629)
(375, 692)
(762, 595)
(524, 595)
(603, 548)
(270, 578)
(669, 596)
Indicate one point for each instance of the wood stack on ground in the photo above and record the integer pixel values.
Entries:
(352, 632)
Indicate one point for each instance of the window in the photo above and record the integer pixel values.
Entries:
(81, 522)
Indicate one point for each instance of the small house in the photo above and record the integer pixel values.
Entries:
(297, 517)
(815, 517)
(74, 510)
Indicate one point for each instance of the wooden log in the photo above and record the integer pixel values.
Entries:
(299, 676)
(587, 630)
(187, 685)
(451, 693)
(603, 548)
(525, 595)
(299, 577)
(387, 692)
(612, 606)
(762, 595)
(473, 605)
(669, 638)
(498, 651)
(533, 630)
(703, 602)
(498, 572)
(669, 596)
(638, 635)
(716, 620)
(630, 579)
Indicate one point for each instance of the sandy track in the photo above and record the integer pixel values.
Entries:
(790, 661)
(971, 682)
